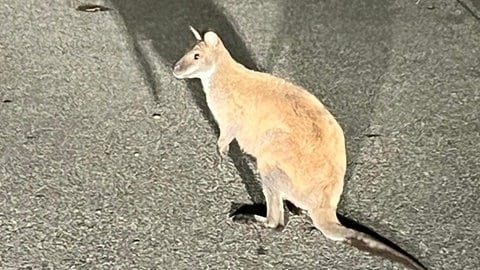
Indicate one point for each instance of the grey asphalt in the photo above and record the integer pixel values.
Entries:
(108, 162)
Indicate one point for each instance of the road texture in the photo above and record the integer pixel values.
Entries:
(108, 162)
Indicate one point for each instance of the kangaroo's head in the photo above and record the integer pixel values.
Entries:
(201, 60)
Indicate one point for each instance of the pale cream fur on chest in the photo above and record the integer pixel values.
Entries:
(213, 100)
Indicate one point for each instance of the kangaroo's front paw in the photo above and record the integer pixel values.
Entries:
(223, 150)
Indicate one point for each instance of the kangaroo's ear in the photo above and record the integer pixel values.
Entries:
(195, 33)
(211, 39)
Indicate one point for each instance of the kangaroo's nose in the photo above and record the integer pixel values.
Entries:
(176, 66)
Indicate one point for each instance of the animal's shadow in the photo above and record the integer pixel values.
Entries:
(165, 24)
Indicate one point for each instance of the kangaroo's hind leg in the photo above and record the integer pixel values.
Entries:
(272, 181)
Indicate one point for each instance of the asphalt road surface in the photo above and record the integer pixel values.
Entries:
(108, 162)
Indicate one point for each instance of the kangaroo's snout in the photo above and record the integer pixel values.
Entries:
(177, 67)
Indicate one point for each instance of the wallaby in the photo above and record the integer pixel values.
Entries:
(298, 145)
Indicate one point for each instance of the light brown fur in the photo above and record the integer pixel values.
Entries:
(298, 144)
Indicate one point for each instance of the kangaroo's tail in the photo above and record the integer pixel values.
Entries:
(328, 224)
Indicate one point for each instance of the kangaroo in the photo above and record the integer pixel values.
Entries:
(298, 144)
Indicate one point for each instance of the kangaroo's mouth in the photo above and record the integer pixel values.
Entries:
(177, 75)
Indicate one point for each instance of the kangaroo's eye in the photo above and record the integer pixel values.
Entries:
(196, 56)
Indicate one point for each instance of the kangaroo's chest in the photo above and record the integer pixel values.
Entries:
(216, 108)
(218, 103)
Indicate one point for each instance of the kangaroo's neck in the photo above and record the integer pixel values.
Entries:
(223, 75)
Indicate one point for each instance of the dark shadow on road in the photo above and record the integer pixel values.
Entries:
(165, 24)
(259, 209)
